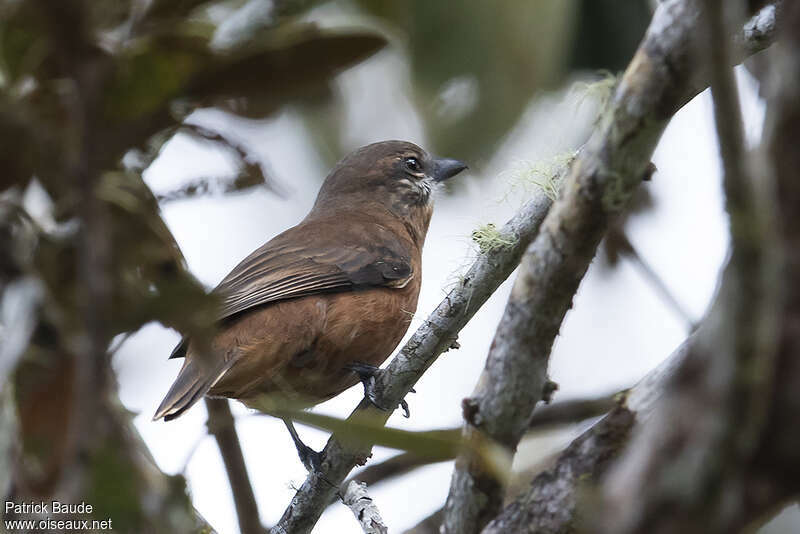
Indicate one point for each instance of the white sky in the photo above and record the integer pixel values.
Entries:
(617, 331)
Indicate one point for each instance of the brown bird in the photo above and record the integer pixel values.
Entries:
(333, 294)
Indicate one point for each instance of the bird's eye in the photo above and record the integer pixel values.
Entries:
(413, 165)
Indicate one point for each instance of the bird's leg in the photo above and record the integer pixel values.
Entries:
(311, 459)
(367, 373)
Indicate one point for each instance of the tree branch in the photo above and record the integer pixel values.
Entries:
(571, 411)
(584, 463)
(550, 503)
(548, 506)
(221, 425)
(394, 467)
(250, 172)
(662, 76)
(656, 282)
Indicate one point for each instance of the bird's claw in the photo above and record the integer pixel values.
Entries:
(367, 373)
(404, 406)
(364, 371)
(311, 459)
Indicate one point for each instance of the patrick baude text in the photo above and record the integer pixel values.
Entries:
(47, 508)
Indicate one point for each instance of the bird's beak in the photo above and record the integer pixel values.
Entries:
(444, 168)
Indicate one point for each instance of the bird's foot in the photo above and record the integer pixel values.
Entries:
(312, 460)
(367, 374)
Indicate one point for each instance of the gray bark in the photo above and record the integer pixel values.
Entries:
(552, 501)
(549, 505)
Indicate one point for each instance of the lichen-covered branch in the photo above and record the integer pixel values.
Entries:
(663, 75)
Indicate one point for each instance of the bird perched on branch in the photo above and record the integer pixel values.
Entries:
(325, 300)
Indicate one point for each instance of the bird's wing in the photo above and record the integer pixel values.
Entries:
(285, 273)
(305, 261)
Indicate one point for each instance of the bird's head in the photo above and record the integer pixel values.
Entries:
(397, 175)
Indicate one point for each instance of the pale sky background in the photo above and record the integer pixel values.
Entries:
(617, 331)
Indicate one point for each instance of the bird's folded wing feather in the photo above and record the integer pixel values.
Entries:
(299, 262)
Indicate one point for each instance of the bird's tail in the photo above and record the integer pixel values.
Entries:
(192, 383)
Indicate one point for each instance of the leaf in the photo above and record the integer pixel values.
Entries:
(153, 72)
(255, 80)
(284, 66)
(438, 444)
(152, 282)
(250, 172)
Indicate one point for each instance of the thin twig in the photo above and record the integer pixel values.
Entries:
(251, 171)
(221, 426)
(394, 467)
(572, 411)
(201, 132)
(629, 251)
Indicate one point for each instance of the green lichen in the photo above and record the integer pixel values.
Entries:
(621, 397)
(544, 175)
(489, 238)
(599, 91)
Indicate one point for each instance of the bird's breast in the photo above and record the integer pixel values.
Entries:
(366, 325)
(362, 326)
